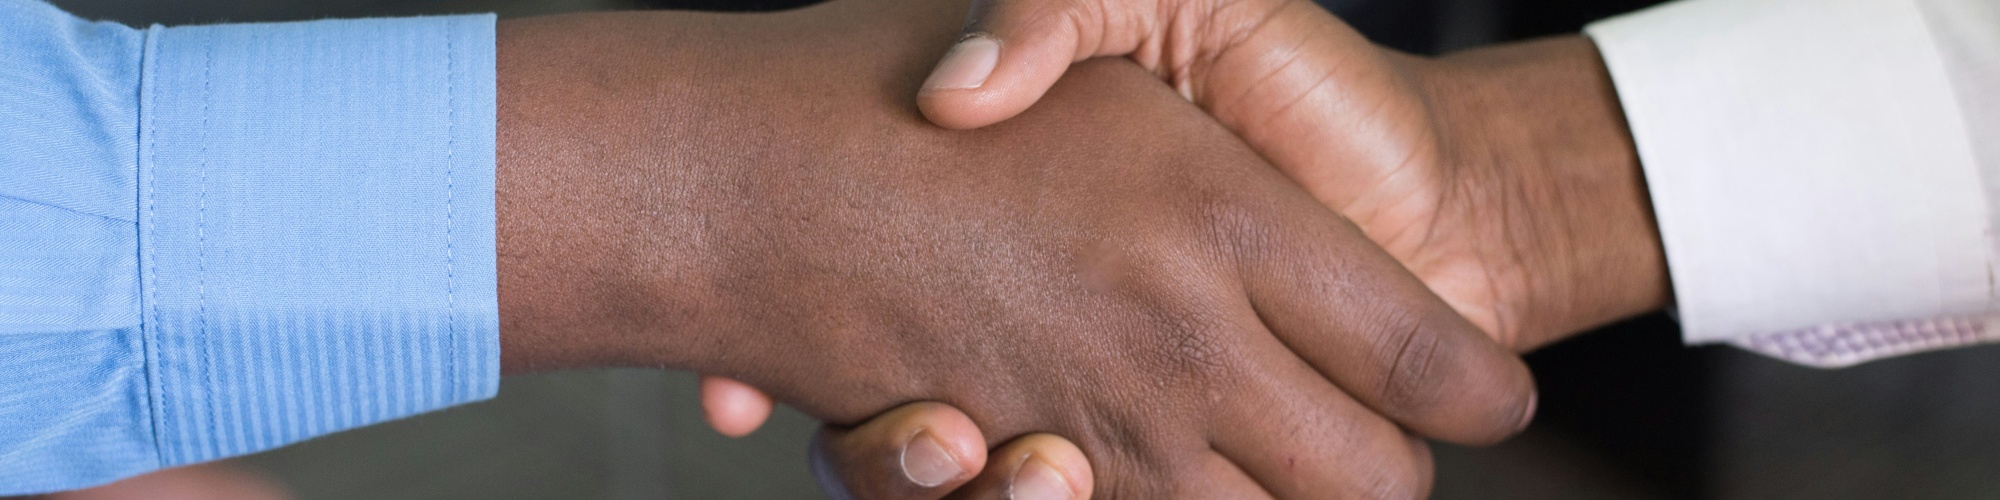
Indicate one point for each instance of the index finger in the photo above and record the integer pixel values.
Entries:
(1364, 321)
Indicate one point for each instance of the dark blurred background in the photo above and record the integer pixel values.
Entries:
(1626, 412)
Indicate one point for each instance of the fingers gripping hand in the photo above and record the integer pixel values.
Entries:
(1180, 388)
(924, 451)
(917, 451)
(1344, 118)
(1374, 345)
(1168, 286)
(1281, 73)
(1390, 141)
(1012, 51)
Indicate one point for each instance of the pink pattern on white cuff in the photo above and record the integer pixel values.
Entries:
(1845, 344)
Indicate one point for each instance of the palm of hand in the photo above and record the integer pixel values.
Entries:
(1504, 178)
(1352, 123)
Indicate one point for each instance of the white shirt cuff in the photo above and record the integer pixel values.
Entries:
(1807, 161)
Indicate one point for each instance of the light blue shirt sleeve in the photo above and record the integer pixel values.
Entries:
(216, 240)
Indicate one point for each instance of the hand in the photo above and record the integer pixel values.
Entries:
(885, 458)
(1504, 177)
(673, 210)
(929, 450)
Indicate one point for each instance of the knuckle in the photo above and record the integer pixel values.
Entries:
(1245, 227)
(1192, 350)
(1125, 463)
(1135, 487)
(1439, 388)
(1411, 385)
(1179, 330)
(1197, 349)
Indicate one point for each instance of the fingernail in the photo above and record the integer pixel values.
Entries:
(926, 462)
(1038, 481)
(966, 66)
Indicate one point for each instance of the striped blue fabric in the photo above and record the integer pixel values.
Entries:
(216, 240)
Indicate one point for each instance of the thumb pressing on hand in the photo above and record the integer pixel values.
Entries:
(1014, 50)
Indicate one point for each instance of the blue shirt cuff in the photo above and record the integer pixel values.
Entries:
(316, 236)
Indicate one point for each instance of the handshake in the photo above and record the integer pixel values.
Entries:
(1281, 290)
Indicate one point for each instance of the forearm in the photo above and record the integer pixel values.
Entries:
(1537, 126)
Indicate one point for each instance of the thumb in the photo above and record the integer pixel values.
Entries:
(1013, 51)
(918, 451)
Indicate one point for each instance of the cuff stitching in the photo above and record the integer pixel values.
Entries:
(158, 404)
(201, 239)
(450, 278)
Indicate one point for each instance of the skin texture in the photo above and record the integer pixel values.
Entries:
(1544, 194)
(1505, 177)
(753, 196)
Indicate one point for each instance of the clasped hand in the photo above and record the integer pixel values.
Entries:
(1111, 266)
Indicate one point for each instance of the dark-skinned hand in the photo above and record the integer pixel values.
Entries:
(753, 196)
(1503, 177)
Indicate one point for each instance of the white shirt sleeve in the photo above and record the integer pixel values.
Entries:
(1823, 171)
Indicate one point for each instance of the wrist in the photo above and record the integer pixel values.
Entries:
(633, 156)
(592, 251)
(1536, 139)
